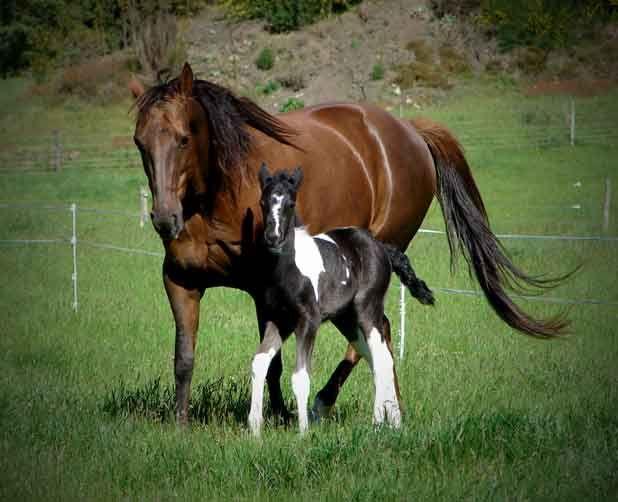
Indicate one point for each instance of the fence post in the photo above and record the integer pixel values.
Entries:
(402, 319)
(607, 204)
(402, 289)
(74, 246)
(143, 200)
(572, 122)
(57, 150)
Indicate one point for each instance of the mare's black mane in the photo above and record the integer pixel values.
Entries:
(228, 116)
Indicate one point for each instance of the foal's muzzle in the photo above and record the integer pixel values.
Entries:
(167, 224)
(274, 242)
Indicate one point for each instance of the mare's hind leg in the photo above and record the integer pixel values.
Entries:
(326, 398)
(273, 377)
(386, 403)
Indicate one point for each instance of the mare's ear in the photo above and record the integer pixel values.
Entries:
(264, 175)
(136, 87)
(297, 177)
(186, 80)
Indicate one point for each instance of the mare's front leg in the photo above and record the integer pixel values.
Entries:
(185, 303)
(267, 350)
(305, 339)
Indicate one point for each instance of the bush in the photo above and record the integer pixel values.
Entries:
(48, 34)
(545, 24)
(419, 73)
(154, 37)
(265, 60)
(100, 81)
(285, 15)
(269, 87)
(377, 72)
(291, 104)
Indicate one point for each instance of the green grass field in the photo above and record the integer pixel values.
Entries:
(489, 414)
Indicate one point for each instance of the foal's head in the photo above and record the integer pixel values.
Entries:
(278, 204)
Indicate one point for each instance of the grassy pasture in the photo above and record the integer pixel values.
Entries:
(489, 414)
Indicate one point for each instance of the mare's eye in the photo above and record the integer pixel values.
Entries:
(184, 141)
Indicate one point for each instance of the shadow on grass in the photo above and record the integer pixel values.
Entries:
(218, 400)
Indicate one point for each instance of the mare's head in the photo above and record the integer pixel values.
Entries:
(278, 203)
(193, 139)
(172, 136)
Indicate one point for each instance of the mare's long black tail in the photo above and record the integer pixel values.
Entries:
(468, 231)
(402, 267)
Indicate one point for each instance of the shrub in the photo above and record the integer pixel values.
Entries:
(544, 24)
(419, 73)
(268, 88)
(294, 81)
(377, 72)
(292, 104)
(422, 51)
(265, 60)
(47, 34)
(285, 15)
(101, 80)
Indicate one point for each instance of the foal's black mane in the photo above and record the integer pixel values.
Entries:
(227, 116)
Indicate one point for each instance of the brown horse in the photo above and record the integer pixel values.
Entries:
(201, 148)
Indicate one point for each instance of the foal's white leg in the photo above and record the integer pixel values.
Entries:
(386, 404)
(271, 343)
(301, 385)
(305, 338)
(259, 368)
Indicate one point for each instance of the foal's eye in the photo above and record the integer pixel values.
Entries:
(184, 141)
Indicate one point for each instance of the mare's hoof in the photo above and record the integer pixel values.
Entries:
(320, 410)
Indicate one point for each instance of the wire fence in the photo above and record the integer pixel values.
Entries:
(141, 216)
(559, 123)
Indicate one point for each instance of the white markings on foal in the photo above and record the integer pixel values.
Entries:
(386, 404)
(308, 258)
(259, 368)
(276, 210)
(300, 386)
(326, 238)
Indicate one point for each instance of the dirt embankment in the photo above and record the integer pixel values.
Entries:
(384, 51)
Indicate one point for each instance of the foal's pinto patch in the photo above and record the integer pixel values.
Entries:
(308, 258)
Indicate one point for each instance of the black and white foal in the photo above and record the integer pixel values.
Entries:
(342, 276)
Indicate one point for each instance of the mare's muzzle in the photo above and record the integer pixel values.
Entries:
(168, 224)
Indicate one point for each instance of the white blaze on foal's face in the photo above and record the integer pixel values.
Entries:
(276, 211)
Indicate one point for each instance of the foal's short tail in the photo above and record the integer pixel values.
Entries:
(402, 267)
(468, 230)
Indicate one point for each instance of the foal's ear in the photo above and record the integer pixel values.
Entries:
(264, 175)
(186, 80)
(297, 177)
